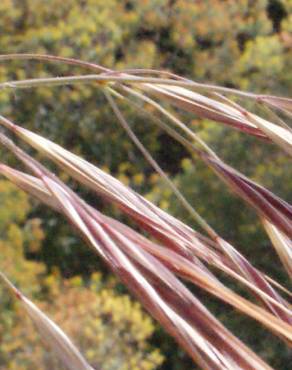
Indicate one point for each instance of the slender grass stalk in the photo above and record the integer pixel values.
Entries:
(194, 214)
(283, 104)
(192, 135)
(282, 244)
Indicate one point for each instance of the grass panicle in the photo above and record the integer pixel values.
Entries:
(152, 269)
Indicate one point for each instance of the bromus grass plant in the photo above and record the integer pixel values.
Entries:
(153, 268)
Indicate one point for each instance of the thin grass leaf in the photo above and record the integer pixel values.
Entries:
(109, 80)
(280, 134)
(193, 213)
(282, 244)
(174, 120)
(277, 134)
(110, 77)
(54, 59)
(58, 341)
(275, 209)
(204, 107)
(271, 112)
(172, 79)
(220, 112)
(29, 184)
(283, 104)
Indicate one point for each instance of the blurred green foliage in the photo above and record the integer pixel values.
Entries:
(243, 44)
(18, 234)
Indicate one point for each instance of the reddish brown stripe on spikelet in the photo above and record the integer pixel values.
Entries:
(272, 207)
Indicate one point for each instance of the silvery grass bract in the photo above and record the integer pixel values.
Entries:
(152, 269)
(58, 341)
